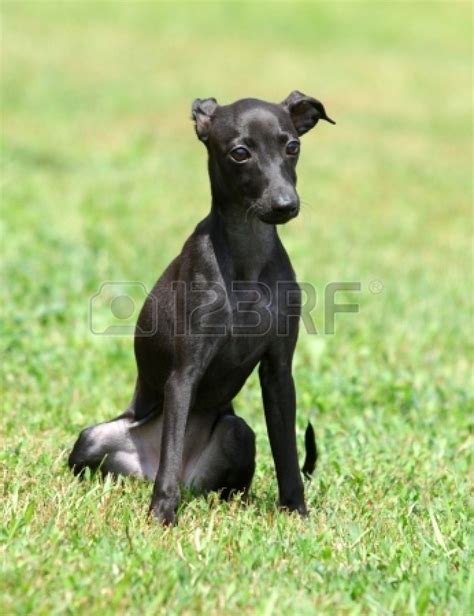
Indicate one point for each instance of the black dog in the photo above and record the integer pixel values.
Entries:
(228, 302)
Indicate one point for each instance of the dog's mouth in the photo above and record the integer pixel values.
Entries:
(274, 217)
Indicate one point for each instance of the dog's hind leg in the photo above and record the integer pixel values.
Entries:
(130, 446)
(227, 463)
(125, 445)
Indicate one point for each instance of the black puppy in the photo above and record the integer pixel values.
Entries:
(228, 302)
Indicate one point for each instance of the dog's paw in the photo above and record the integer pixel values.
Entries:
(302, 510)
(163, 517)
(164, 512)
(294, 507)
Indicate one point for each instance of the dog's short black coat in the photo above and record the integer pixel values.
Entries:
(180, 426)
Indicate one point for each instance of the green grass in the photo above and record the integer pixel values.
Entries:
(103, 179)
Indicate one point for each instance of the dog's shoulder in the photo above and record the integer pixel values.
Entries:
(198, 259)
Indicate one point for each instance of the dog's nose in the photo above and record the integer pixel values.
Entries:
(286, 203)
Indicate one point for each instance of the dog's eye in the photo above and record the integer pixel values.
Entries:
(240, 154)
(293, 148)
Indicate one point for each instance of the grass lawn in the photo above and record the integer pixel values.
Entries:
(103, 179)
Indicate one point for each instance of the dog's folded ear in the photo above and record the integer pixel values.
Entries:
(202, 111)
(305, 111)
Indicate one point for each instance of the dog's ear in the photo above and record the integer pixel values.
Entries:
(202, 111)
(305, 111)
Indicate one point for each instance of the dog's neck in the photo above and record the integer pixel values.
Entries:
(249, 242)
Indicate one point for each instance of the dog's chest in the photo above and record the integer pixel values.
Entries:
(250, 326)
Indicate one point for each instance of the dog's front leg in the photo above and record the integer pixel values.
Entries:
(178, 397)
(279, 401)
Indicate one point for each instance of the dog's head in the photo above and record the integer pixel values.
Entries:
(253, 149)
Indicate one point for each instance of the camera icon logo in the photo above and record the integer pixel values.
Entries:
(114, 310)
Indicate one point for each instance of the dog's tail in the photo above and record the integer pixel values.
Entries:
(311, 452)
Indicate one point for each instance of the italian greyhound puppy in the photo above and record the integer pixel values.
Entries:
(227, 303)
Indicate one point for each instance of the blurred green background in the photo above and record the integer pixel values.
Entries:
(103, 179)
